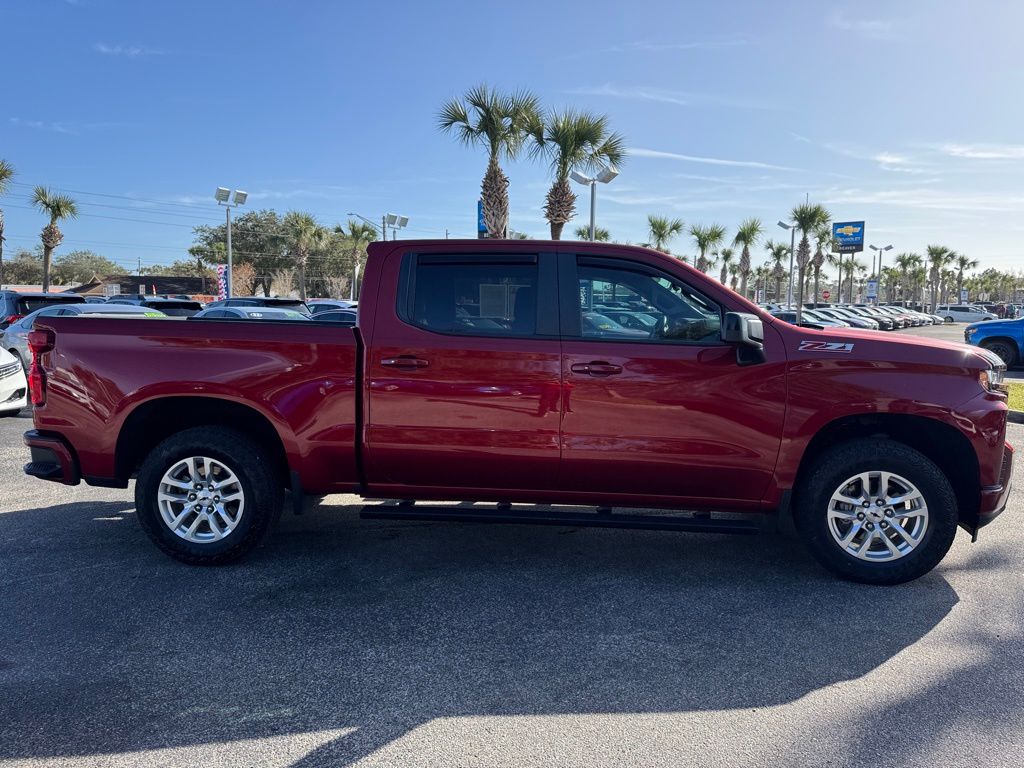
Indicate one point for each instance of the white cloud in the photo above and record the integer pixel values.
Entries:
(929, 200)
(654, 153)
(872, 29)
(662, 95)
(131, 51)
(42, 125)
(984, 151)
(694, 45)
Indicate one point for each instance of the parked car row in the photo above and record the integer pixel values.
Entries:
(865, 316)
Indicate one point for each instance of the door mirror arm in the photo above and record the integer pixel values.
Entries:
(746, 332)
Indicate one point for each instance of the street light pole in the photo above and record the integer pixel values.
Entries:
(877, 271)
(238, 197)
(605, 176)
(593, 209)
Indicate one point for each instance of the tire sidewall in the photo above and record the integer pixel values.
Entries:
(1009, 358)
(241, 459)
(844, 462)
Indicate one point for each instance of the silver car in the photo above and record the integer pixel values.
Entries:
(14, 337)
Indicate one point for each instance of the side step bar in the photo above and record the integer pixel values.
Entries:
(502, 514)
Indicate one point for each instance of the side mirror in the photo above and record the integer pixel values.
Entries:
(747, 332)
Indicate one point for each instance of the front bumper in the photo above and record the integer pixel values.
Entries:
(52, 458)
(994, 497)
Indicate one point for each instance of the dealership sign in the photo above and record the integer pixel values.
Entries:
(849, 236)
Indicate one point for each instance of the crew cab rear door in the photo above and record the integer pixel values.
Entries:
(463, 371)
(666, 413)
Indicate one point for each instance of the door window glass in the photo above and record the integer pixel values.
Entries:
(477, 298)
(627, 305)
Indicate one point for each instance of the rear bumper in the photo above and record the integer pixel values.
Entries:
(52, 458)
(994, 497)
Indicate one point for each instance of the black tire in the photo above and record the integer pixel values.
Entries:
(260, 483)
(1005, 351)
(949, 319)
(845, 460)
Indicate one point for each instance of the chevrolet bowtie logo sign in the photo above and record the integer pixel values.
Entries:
(849, 236)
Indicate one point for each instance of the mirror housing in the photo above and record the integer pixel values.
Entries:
(747, 332)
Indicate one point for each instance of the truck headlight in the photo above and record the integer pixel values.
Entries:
(993, 379)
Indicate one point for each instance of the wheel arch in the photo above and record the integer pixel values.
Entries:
(152, 421)
(942, 443)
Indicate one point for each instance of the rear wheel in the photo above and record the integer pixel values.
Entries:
(207, 495)
(876, 511)
(1005, 351)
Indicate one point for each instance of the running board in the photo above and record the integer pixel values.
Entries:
(693, 524)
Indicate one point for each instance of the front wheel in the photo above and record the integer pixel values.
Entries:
(949, 319)
(1005, 351)
(207, 495)
(876, 511)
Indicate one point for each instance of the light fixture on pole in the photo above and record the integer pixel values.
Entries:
(606, 175)
(229, 200)
(792, 247)
(394, 221)
(877, 271)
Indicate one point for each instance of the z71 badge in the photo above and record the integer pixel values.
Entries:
(825, 346)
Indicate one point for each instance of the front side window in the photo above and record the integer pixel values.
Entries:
(473, 297)
(624, 304)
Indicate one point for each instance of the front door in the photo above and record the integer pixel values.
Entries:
(659, 407)
(464, 372)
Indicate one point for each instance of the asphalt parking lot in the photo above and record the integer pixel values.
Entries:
(347, 642)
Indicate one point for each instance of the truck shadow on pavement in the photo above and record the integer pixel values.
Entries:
(107, 646)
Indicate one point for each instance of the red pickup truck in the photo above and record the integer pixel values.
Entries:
(561, 375)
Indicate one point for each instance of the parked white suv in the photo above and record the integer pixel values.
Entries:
(962, 313)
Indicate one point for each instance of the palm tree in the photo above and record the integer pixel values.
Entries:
(904, 262)
(726, 256)
(58, 207)
(747, 235)
(706, 238)
(661, 229)
(573, 141)
(359, 234)
(807, 217)
(500, 123)
(824, 244)
(734, 274)
(303, 235)
(6, 174)
(601, 235)
(938, 257)
(962, 263)
(777, 252)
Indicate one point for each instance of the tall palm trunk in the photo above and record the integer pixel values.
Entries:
(744, 270)
(560, 207)
(803, 255)
(51, 237)
(494, 192)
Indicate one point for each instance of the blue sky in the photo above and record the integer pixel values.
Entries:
(905, 114)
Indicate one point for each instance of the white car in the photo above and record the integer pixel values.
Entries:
(13, 385)
(962, 313)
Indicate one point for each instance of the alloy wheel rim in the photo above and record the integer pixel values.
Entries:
(877, 516)
(201, 499)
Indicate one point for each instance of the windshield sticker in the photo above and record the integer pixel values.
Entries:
(825, 346)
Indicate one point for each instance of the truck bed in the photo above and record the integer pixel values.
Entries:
(300, 378)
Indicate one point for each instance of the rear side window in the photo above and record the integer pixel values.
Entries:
(32, 303)
(471, 296)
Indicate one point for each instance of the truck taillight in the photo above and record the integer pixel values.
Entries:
(39, 342)
(12, 319)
